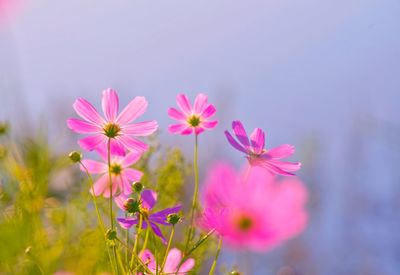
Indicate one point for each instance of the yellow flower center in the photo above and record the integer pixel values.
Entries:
(194, 121)
(111, 130)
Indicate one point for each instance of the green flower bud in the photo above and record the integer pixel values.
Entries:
(132, 206)
(75, 156)
(173, 219)
(4, 127)
(137, 186)
(234, 272)
(111, 234)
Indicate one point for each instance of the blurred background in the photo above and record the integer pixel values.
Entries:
(321, 75)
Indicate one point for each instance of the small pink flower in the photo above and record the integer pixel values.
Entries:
(254, 212)
(257, 155)
(192, 119)
(171, 264)
(122, 175)
(114, 126)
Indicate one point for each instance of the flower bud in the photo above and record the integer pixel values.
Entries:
(173, 219)
(4, 126)
(137, 187)
(75, 156)
(234, 272)
(28, 250)
(131, 205)
(111, 234)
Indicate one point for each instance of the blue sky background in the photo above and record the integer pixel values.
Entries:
(322, 75)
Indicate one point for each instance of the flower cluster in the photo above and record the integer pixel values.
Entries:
(249, 209)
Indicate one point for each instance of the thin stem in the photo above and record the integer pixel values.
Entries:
(196, 190)
(168, 247)
(98, 214)
(110, 182)
(136, 240)
(127, 243)
(214, 265)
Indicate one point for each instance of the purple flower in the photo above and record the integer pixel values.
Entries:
(149, 199)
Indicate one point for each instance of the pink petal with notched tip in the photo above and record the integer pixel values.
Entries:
(82, 127)
(282, 151)
(173, 259)
(200, 103)
(94, 167)
(184, 104)
(241, 134)
(86, 111)
(110, 104)
(91, 142)
(141, 128)
(132, 111)
(257, 139)
(133, 144)
(186, 266)
(208, 111)
(175, 114)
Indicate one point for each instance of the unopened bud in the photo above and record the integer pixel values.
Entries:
(111, 234)
(137, 187)
(132, 205)
(4, 126)
(75, 156)
(234, 272)
(173, 219)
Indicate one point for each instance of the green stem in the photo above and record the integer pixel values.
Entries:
(98, 213)
(136, 240)
(127, 243)
(214, 265)
(195, 194)
(168, 247)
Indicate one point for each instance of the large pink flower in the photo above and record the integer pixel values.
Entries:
(257, 155)
(192, 119)
(171, 264)
(253, 211)
(122, 175)
(114, 126)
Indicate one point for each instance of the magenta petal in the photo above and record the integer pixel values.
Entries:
(86, 111)
(234, 143)
(286, 166)
(135, 109)
(142, 129)
(173, 259)
(133, 144)
(158, 232)
(273, 168)
(110, 104)
(127, 223)
(149, 198)
(115, 184)
(187, 131)
(184, 104)
(95, 167)
(257, 139)
(132, 175)
(131, 158)
(164, 213)
(91, 142)
(186, 266)
(83, 127)
(282, 151)
(120, 200)
(209, 124)
(200, 103)
(209, 111)
(175, 114)
(177, 128)
(100, 185)
(148, 259)
(198, 130)
(240, 133)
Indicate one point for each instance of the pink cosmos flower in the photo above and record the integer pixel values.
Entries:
(192, 119)
(257, 155)
(254, 212)
(122, 175)
(114, 126)
(171, 264)
(148, 200)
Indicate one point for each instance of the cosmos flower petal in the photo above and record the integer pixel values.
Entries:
(132, 175)
(110, 104)
(173, 259)
(158, 232)
(200, 103)
(282, 151)
(148, 259)
(83, 127)
(100, 185)
(94, 167)
(167, 211)
(179, 128)
(209, 124)
(90, 143)
(198, 130)
(86, 111)
(257, 139)
(175, 114)
(131, 158)
(133, 144)
(127, 222)
(234, 143)
(141, 129)
(186, 266)
(149, 198)
(273, 168)
(120, 200)
(240, 133)
(132, 111)
(209, 111)
(184, 104)
(115, 184)
(286, 166)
